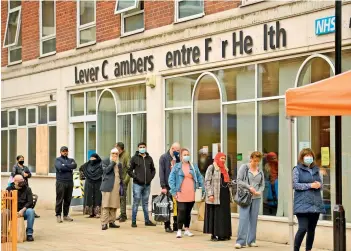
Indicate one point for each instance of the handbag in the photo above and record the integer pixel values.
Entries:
(243, 196)
(198, 190)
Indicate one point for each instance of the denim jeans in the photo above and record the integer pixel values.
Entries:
(248, 223)
(29, 217)
(141, 192)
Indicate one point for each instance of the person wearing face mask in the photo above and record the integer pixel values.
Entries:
(24, 203)
(250, 177)
(308, 203)
(91, 172)
(183, 181)
(142, 170)
(166, 163)
(217, 210)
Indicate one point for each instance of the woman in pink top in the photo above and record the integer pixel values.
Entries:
(184, 179)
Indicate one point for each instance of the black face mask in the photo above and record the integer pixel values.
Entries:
(21, 162)
(20, 185)
(93, 161)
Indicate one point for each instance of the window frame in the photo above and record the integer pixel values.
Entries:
(36, 115)
(49, 37)
(8, 118)
(48, 114)
(85, 26)
(188, 18)
(10, 11)
(249, 2)
(18, 116)
(134, 12)
(136, 4)
(27, 142)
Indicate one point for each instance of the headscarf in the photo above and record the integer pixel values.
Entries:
(272, 163)
(221, 166)
(92, 169)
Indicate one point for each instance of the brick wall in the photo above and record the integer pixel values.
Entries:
(158, 13)
(212, 7)
(4, 51)
(108, 25)
(66, 25)
(30, 30)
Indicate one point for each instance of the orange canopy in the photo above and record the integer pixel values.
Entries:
(329, 97)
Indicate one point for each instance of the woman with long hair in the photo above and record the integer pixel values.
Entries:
(217, 210)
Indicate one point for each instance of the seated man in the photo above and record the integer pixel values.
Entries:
(25, 203)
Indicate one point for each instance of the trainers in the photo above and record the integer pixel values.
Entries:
(67, 218)
(179, 234)
(253, 244)
(58, 219)
(30, 238)
(188, 233)
(238, 246)
(134, 224)
(150, 224)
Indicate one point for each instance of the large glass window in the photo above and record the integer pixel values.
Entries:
(32, 151)
(178, 127)
(79, 143)
(32, 116)
(139, 129)
(189, 9)
(52, 148)
(91, 138)
(13, 118)
(176, 98)
(77, 104)
(52, 113)
(12, 147)
(91, 102)
(22, 117)
(124, 134)
(87, 22)
(47, 27)
(43, 114)
(4, 150)
(131, 98)
(3, 119)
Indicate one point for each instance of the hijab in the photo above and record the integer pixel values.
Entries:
(92, 169)
(221, 166)
(272, 167)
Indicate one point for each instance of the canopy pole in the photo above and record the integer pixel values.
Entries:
(339, 221)
(290, 184)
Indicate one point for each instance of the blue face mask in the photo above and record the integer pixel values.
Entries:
(308, 160)
(142, 150)
(186, 158)
(175, 153)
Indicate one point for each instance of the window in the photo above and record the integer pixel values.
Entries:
(47, 27)
(77, 104)
(133, 20)
(22, 116)
(52, 113)
(86, 23)
(4, 119)
(188, 9)
(248, 2)
(52, 148)
(4, 150)
(43, 114)
(91, 103)
(12, 147)
(32, 151)
(13, 118)
(32, 116)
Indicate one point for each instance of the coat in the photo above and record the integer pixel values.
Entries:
(124, 159)
(19, 170)
(24, 196)
(108, 176)
(165, 169)
(142, 169)
(213, 183)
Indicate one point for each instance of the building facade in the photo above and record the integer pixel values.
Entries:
(209, 74)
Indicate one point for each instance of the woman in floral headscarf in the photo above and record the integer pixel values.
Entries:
(217, 211)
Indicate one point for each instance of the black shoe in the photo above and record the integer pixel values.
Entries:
(113, 225)
(175, 227)
(150, 224)
(214, 238)
(30, 238)
(104, 227)
(169, 230)
(36, 216)
(122, 219)
(119, 217)
(134, 224)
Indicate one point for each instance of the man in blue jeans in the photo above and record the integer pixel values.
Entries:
(142, 170)
(24, 203)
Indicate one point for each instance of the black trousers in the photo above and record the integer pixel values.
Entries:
(184, 214)
(307, 224)
(63, 197)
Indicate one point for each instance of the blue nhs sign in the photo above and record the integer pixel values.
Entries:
(325, 25)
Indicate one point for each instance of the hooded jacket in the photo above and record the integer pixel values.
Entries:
(142, 169)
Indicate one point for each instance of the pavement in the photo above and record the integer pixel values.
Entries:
(85, 234)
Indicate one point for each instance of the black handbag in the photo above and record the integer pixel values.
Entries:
(243, 196)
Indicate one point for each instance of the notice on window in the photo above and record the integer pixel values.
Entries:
(303, 145)
(325, 156)
(239, 157)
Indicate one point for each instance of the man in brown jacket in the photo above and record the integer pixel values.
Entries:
(124, 159)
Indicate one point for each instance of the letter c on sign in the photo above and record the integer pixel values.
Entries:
(104, 75)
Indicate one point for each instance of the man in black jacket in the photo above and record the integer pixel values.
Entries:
(64, 184)
(142, 170)
(24, 203)
(166, 162)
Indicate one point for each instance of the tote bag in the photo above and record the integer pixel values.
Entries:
(243, 196)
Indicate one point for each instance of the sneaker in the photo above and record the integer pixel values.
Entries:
(188, 233)
(237, 246)
(179, 234)
(58, 219)
(67, 218)
(134, 224)
(104, 227)
(113, 225)
(150, 224)
(169, 230)
(30, 238)
(253, 244)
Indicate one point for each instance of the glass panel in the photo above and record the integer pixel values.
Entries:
(52, 113)
(12, 118)
(4, 150)
(22, 116)
(52, 148)
(176, 98)
(239, 138)
(207, 118)
(139, 130)
(77, 104)
(32, 116)
(49, 46)
(275, 78)
(15, 55)
(106, 124)
(12, 148)
(3, 119)
(91, 139)
(43, 114)
(239, 82)
(79, 143)
(131, 98)
(178, 128)
(48, 18)
(32, 152)
(134, 22)
(88, 35)
(124, 4)
(13, 19)
(189, 8)
(14, 4)
(124, 125)
(87, 12)
(91, 103)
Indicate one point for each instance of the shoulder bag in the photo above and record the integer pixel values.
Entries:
(243, 196)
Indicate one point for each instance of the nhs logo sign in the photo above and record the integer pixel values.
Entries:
(325, 25)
